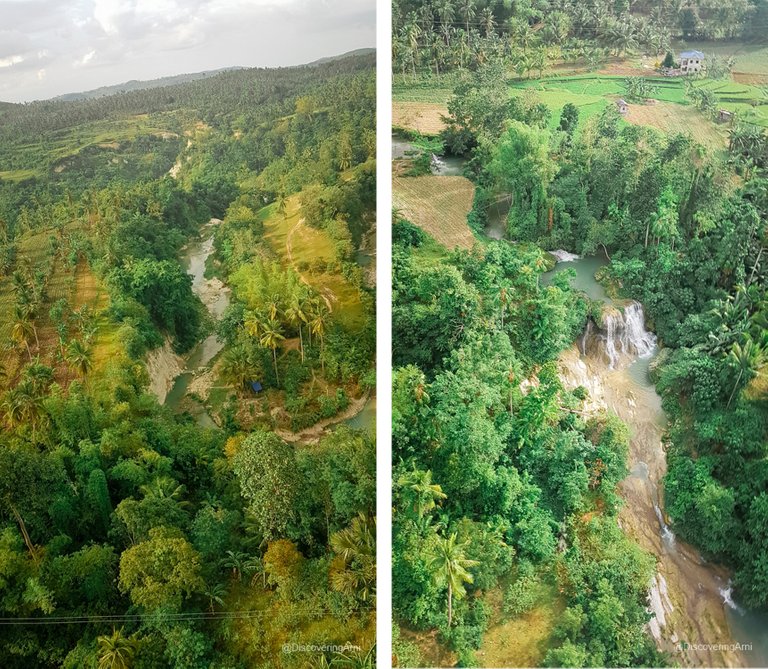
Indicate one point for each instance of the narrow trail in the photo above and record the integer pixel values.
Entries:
(313, 433)
(326, 293)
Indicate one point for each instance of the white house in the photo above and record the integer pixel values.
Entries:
(691, 62)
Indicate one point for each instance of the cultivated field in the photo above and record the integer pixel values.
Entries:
(80, 287)
(423, 117)
(438, 205)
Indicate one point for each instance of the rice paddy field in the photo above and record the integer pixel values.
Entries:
(417, 106)
(423, 117)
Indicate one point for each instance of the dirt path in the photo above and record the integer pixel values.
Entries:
(311, 434)
(326, 293)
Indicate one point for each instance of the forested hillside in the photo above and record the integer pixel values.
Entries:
(207, 531)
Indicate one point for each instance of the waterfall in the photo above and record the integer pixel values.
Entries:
(564, 256)
(666, 534)
(624, 332)
(727, 595)
(437, 165)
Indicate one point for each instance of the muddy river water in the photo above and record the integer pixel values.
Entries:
(696, 619)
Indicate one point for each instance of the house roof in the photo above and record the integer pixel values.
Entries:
(692, 54)
(621, 103)
(256, 386)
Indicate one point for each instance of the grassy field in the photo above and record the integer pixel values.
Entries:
(298, 245)
(673, 119)
(438, 205)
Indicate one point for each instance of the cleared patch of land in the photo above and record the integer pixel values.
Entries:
(672, 119)
(423, 117)
(438, 205)
(519, 641)
(432, 652)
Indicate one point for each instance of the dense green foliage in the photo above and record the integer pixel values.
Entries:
(500, 481)
(166, 540)
(685, 231)
(690, 246)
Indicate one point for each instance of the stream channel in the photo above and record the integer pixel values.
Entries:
(696, 619)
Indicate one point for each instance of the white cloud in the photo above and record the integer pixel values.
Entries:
(87, 58)
(10, 61)
(41, 74)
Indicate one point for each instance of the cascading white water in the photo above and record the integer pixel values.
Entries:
(564, 256)
(666, 534)
(625, 333)
(437, 165)
(727, 595)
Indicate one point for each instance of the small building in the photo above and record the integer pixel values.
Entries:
(256, 387)
(724, 116)
(622, 106)
(691, 62)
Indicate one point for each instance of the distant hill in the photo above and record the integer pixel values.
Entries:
(137, 85)
(348, 54)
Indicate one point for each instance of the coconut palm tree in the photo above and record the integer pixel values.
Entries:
(411, 34)
(445, 12)
(318, 322)
(235, 561)
(165, 488)
(297, 316)
(79, 357)
(116, 651)
(467, 9)
(22, 329)
(488, 21)
(422, 494)
(215, 595)
(24, 405)
(449, 566)
(271, 336)
(356, 545)
(255, 567)
(747, 359)
(236, 368)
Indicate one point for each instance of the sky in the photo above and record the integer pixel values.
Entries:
(51, 47)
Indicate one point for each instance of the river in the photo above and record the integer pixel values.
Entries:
(215, 296)
(690, 597)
